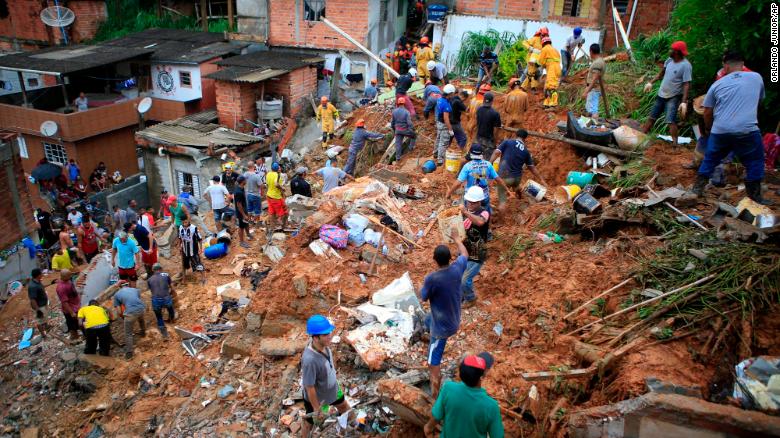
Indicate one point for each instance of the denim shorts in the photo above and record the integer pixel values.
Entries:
(669, 106)
(592, 102)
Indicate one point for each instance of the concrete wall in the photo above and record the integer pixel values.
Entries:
(158, 176)
(10, 82)
(134, 187)
(288, 27)
(16, 219)
(458, 25)
(17, 267)
(253, 17)
(166, 82)
(236, 102)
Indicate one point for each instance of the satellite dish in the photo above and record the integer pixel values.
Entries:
(144, 105)
(49, 128)
(57, 16)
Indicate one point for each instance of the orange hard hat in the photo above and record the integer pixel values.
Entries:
(389, 83)
(512, 82)
(389, 55)
(485, 88)
(546, 40)
(544, 31)
(373, 81)
(360, 123)
(424, 40)
(324, 99)
(401, 100)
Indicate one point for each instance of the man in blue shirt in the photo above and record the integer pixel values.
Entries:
(477, 172)
(442, 288)
(131, 308)
(514, 155)
(127, 252)
(731, 121)
(444, 132)
(431, 95)
(370, 93)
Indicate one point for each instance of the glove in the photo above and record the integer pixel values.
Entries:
(452, 133)
(648, 87)
(535, 50)
(683, 109)
(318, 118)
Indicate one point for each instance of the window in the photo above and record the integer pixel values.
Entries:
(621, 6)
(185, 80)
(32, 82)
(313, 10)
(22, 147)
(400, 8)
(383, 10)
(188, 179)
(573, 8)
(55, 153)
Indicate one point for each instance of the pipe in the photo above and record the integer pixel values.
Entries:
(623, 34)
(631, 20)
(361, 47)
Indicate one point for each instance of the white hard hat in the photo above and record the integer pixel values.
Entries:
(413, 72)
(449, 89)
(431, 65)
(474, 194)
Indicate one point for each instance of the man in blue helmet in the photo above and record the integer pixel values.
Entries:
(572, 44)
(318, 368)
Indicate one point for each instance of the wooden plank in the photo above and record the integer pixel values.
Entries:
(549, 375)
(585, 304)
(394, 232)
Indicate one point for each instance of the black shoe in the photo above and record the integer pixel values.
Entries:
(753, 190)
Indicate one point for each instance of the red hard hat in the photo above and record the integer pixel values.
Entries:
(681, 47)
(401, 100)
(360, 123)
(542, 31)
(546, 40)
(424, 40)
(373, 81)
(485, 88)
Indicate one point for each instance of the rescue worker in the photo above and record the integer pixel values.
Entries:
(402, 85)
(359, 137)
(444, 131)
(488, 62)
(431, 95)
(534, 47)
(437, 72)
(573, 43)
(402, 126)
(370, 93)
(327, 113)
(550, 59)
(424, 55)
(515, 104)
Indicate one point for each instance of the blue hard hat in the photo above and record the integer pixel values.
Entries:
(274, 166)
(319, 325)
(429, 166)
(577, 31)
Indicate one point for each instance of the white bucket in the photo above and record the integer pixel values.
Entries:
(535, 190)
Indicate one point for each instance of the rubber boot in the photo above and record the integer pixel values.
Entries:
(753, 189)
(324, 144)
(699, 185)
(554, 99)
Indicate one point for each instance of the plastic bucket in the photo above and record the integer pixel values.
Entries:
(579, 178)
(437, 13)
(215, 251)
(585, 203)
(535, 190)
(223, 237)
(496, 164)
(429, 166)
(566, 193)
(452, 161)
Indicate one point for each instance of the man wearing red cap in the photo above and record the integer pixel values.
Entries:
(464, 408)
(673, 94)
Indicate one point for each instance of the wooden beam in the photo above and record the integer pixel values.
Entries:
(585, 304)
(550, 375)
(361, 47)
(230, 14)
(578, 143)
(204, 16)
(623, 35)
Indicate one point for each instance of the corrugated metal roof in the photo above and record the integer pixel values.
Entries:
(64, 60)
(196, 130)
(274, 58)
(180, 46)
(244, 74)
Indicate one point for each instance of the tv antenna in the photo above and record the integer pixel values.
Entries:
(58, 16)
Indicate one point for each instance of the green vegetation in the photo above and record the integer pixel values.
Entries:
(638, 172)
(599, 308)
(129, 16)
(547, 220)
(519, 246)
(466, 63)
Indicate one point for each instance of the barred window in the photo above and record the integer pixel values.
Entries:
(314, 10)
(55, 153)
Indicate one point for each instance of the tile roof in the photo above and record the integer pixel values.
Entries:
(196, 130)
(180, 46)
(259, 66)
(70, 59)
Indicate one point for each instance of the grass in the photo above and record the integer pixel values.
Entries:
(519, 246)
(467, 60)
(547, 221)
(638, 172)
(599, 308)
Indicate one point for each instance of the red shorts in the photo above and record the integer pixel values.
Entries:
(276, 207)
(149, 258)
(128, 274)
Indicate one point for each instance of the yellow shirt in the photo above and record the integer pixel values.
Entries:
(93, 316)
(61, 261)
(272, 181)
(536, 43)
(549, 54)
(328, 113)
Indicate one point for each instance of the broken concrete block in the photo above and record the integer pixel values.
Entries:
(406, 401)
(655, 385)
(253, 322)
(239, 343)
(94, 360)
(275, 328)
(233, 295)
(30, 432)
(281, 346)
(300, 286)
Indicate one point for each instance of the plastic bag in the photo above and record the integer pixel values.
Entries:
(372, 237)
(356, 222)
(334, 236)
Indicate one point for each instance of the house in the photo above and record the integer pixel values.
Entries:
(179, 64)
(278, 77)
(166, 65)
(22, 28)
(188, 151)
(376, 24)
(16, 214)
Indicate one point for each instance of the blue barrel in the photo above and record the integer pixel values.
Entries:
(429, 166)
(437, 13)
(215, 251)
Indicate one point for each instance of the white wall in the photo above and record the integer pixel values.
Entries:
(11, 82)
(458, 25)
(166, 83)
